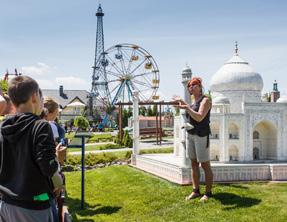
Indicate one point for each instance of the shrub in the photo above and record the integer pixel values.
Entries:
(4, 86)
(110, 146)
(100, 138)
(159, 150)
(128, 154)
(108, 130)
(117, 139)
(81, 122)
(92, 159)
(127, 141)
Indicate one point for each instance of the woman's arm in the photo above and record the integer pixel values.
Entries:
(205, 106)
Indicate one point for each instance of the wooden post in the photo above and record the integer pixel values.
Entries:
(156, 120)
(160, 125)
(120, 122)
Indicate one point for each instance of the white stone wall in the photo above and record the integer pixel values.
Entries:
(272, 114)
(237, 97)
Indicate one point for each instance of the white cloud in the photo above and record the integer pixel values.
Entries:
(71, 82)
(39, 69)
(45, 84)
(162, 96)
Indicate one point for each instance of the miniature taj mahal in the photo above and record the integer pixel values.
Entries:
(248, 138)
(244, 127)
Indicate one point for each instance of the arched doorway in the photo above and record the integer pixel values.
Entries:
(214, 127)
(265, 141)
(233, 153)
(255, 153)
(233, 131)
(214, 152)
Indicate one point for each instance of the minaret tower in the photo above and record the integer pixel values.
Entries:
(99, 89)
(275, 94)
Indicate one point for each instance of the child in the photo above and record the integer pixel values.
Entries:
(27, 157)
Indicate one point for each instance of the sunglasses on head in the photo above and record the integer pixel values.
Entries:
(194, 84)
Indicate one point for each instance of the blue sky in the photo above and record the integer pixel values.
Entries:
(54, 41)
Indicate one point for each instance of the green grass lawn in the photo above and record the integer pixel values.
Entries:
(122, 193)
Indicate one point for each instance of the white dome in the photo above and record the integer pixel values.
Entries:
(236, 75)
(220, 100)
(282, 99)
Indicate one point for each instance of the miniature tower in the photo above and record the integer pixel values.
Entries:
(99, 89)
(275, 94)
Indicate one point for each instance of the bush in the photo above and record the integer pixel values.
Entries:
(4, 86)
(110, 146)
(117, 139)
(159, 150)
(70, 136)
(109, 130)
(92, 159)
(81, 122)
(127, 141)
(101, 138)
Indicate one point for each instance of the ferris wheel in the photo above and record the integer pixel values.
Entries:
(127, 68)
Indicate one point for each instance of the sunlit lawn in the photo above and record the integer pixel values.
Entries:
(122, 193)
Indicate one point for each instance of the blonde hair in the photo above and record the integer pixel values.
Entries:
(50, 104)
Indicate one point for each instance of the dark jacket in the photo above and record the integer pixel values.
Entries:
(27, 161)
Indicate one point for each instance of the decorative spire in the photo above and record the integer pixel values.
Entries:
(236, 48)
(100, 11)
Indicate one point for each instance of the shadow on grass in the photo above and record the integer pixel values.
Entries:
(89, 210)
(232, 201)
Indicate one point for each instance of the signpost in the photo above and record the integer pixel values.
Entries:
(82, 136)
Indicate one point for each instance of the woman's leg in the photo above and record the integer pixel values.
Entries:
(208, 180)
(208, 175)
(195, 180)
(195, 174)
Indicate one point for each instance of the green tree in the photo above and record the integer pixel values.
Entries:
(126, 114)
(154, 110)
(81, 122)
(143, 111)
(149, 111)
(4, 86)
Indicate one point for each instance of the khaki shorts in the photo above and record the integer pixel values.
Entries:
(196, 148)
